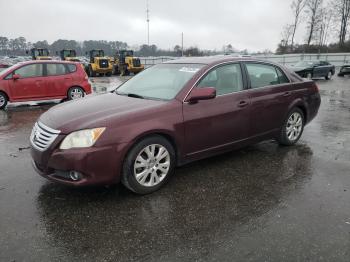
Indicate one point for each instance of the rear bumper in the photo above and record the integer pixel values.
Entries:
(87, 88)
(314, 106)
(97, 165)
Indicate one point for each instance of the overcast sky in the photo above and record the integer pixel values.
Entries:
(246, 24)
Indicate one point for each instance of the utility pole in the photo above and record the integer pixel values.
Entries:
(182, 44)
(147, 12)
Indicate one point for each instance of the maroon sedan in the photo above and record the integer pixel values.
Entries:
(169, 115)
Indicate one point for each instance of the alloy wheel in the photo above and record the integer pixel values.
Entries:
(329, 75)
(152, 165)
(76, 93)
(2, 100)
(294, 126)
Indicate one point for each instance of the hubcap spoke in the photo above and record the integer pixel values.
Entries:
(294, 126)
(152, 165)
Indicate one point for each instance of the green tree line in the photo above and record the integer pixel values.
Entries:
(19, 46)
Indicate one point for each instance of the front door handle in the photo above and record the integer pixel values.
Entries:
(242, 103)
(288, 93)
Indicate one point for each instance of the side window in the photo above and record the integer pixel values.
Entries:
(226, 79)
(72, 68)
(9, 76)
(55, 69)
(33, 70)
(262, 75)
(282, 79)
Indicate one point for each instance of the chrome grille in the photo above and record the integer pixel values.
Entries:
(42, 136)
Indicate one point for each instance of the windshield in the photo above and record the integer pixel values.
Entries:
(6, 70)
(41, 52)
(69, 53)
(97, 53)
(127, 53)
(161, 81)
(304, 63)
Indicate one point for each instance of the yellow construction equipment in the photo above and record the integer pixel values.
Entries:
(125, 63)
(99, 64)
(69, 55)
(40, 54)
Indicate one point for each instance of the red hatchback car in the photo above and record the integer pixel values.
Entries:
(169, 115)
(43, 80)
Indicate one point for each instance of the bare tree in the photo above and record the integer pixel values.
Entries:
(313, 10)
(342, 11)
(297, 8)
(326, 19)
(287, 33)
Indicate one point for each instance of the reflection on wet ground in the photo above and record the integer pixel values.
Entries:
(261, 203)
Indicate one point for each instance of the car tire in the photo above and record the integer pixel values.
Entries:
(109, 74)
(292, 128)
(329, 75)
(341, 75)
(144, 171)
(3, 100)
(75, 92)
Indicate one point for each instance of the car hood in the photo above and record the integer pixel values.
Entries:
(95, 111)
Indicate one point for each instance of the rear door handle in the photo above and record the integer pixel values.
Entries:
(242, 103)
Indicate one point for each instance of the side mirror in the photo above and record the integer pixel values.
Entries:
(202, 93)
(16, 77)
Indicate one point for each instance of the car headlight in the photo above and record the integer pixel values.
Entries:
(82, 138)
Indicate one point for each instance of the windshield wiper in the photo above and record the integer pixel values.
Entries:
(135, 96)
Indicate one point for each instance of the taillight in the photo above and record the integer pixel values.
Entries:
(315, 88)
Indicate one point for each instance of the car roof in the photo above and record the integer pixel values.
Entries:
(45, 61)
(214, 60)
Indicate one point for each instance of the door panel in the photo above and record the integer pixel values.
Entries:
(270, 96)
(269, 106)
(26, 88)
(31, 83)
(211, 124)
(217, 122)
(57, 80)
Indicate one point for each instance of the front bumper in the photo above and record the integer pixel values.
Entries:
(97, 165)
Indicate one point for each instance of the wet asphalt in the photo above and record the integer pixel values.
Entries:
(261, 203)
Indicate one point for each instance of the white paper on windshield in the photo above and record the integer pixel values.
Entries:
(189, 70)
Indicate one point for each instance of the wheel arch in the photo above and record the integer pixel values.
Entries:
(300, 104)
(7, 96)
(75, 86)
(162, 133)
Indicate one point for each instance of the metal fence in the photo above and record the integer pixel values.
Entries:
(150, 61)
(337, 59)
